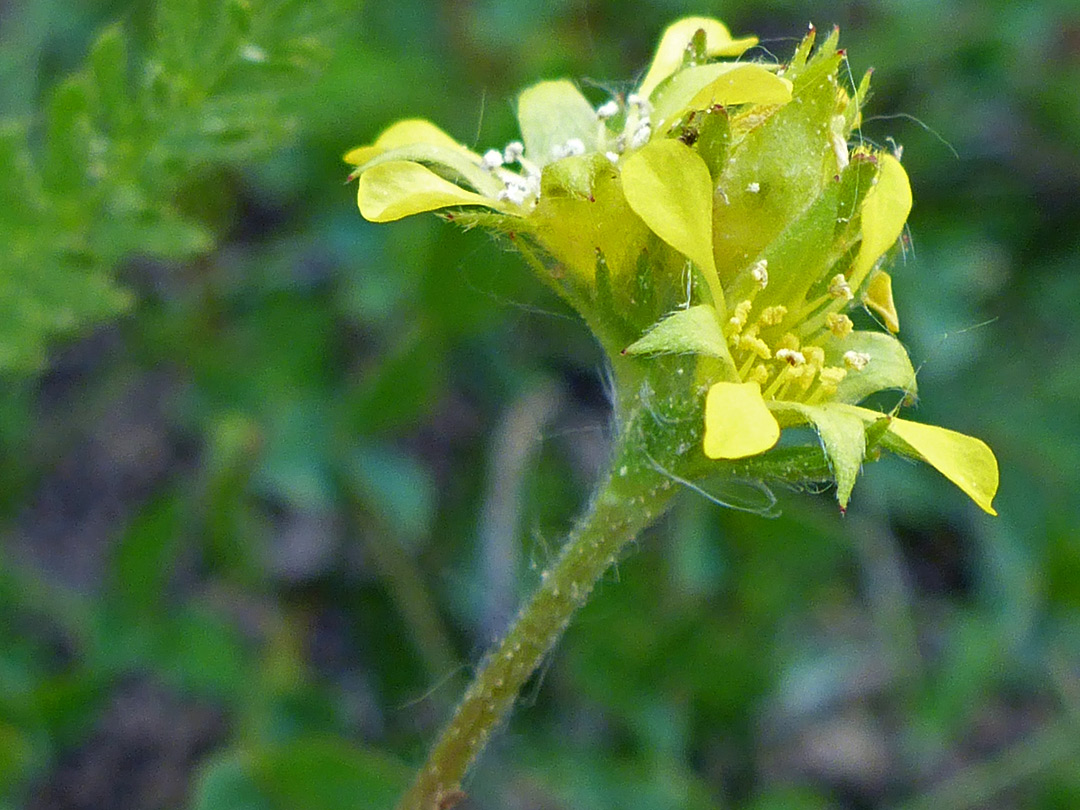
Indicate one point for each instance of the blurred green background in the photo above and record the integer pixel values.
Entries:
(272, 478)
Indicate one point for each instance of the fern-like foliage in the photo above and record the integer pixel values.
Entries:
(96, 180)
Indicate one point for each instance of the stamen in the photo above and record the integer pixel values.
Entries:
(740, 316)
(756, 345)
(642, 103)
(788, 341)
(612, 156)
(492, 159)
(793, 357)
(607, 110)
(856, 361)
(839, 324)
(839, 287)
(513, 152)
(759, 374)
(772, 316)
(641, 135)
(754, 187)
(760, 273)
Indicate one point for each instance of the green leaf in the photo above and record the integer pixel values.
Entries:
(397, 487)
(323, 774)
(552, 113)
(687, 331)
(889, 366)
(226, 782)
(843, 435)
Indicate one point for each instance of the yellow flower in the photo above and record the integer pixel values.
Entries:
(725, 210)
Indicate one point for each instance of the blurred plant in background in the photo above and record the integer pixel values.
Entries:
(253, 524)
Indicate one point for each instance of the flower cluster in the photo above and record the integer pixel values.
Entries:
(726, 210)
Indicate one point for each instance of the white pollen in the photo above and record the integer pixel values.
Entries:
(252, 53)
(614, 158)
(754, 187)
(513, 152)
(760, 273)
(793, 357)
(492, 159)
(856, 360)
(641, 136)
(607, 110)
(575, 146)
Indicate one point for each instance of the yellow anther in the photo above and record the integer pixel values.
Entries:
(771, 316)
(788, 341)
(815, 356)
(756, 345)
(856, 361)
(804, 376)
(839, 324)
(832, 374)
(740, 316)
(839, 287)
(759, 374)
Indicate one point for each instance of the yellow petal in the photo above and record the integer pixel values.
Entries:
(403, 133)
(669, 54)
(964, 460)
(738, 423)
(726, 83)
(550, 114)
(668, 185)
(879, 298)
(884, 213)
(401, 188)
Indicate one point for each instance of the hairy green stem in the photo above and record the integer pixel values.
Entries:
(633, 494)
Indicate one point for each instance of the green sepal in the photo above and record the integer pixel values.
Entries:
(843, 437)
(889, 366)
(572, 223)
(776, 169)
(688, 331)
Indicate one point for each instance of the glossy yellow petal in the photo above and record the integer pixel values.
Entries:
(738, 423)
(964, 460)
(550, 114)
(884, 213)
(726, 83)
(672, 48)
(879, 298)
(668, 185)
(404, 133)
(401, 188)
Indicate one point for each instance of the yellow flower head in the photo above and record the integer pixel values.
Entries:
(726, 210)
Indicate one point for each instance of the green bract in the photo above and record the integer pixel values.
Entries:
(713, 228)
